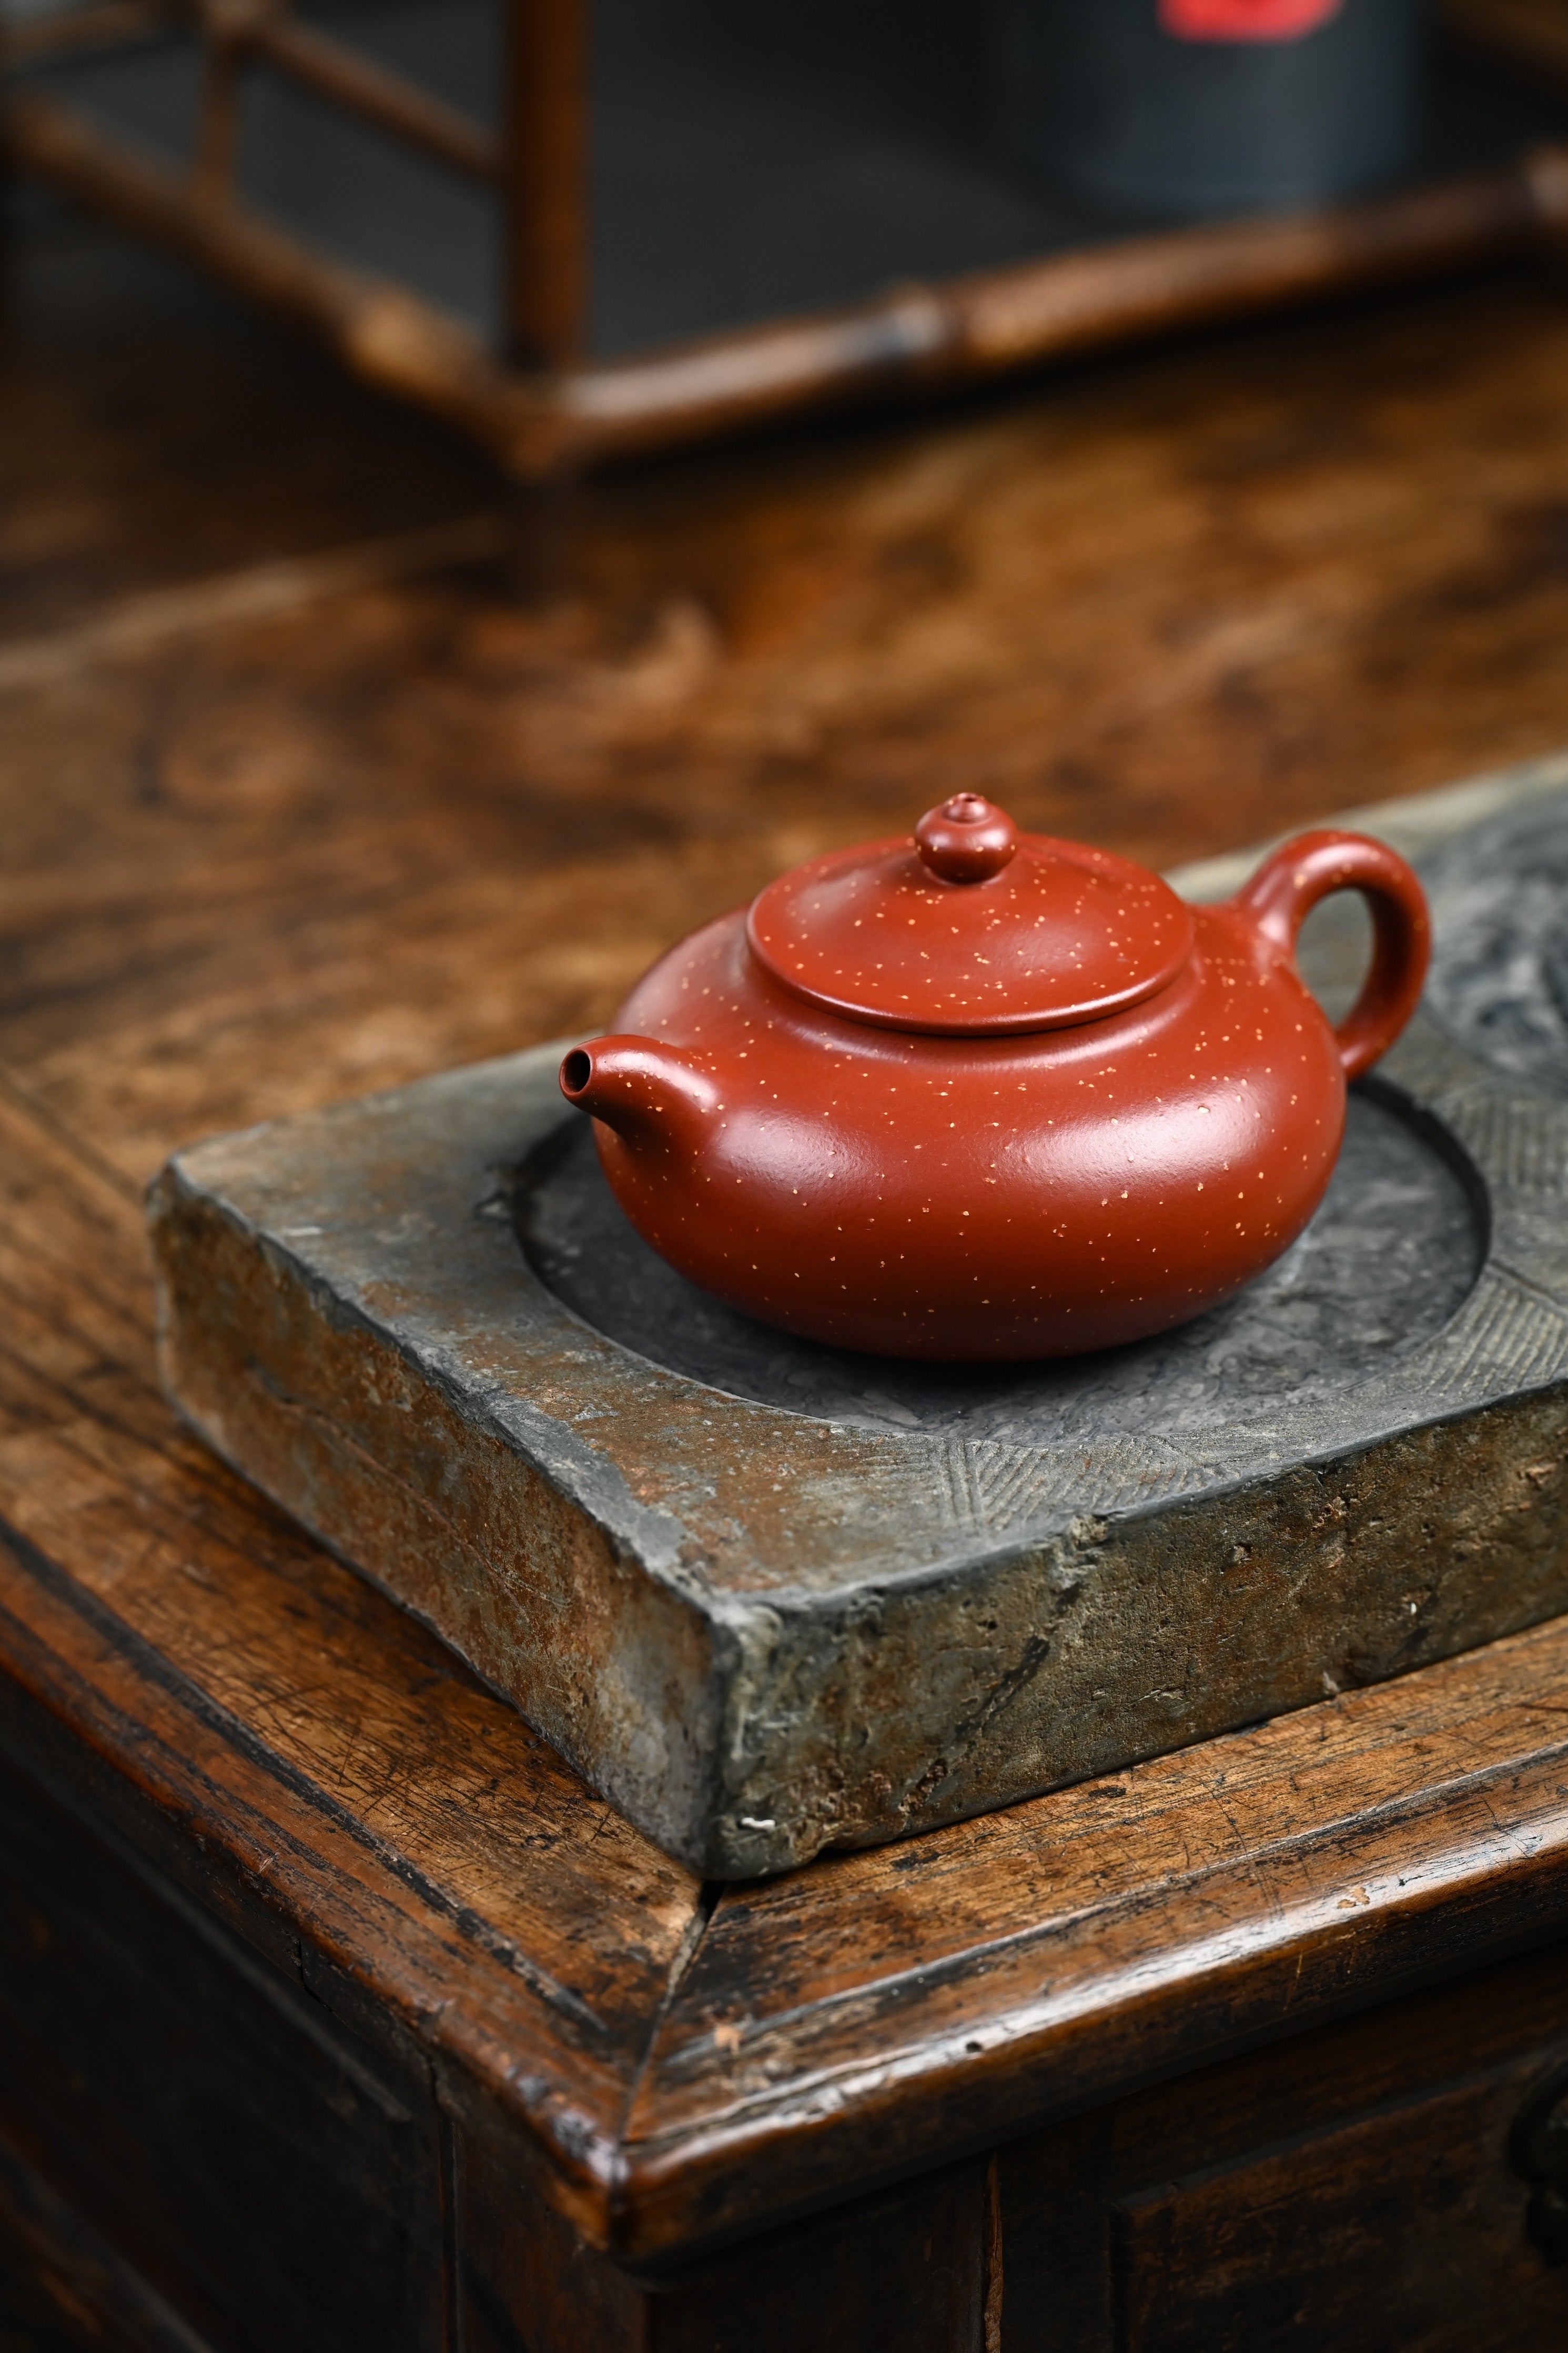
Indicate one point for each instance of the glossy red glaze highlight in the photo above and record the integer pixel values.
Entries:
(997, 1196)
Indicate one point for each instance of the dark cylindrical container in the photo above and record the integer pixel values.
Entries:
(1182, 108)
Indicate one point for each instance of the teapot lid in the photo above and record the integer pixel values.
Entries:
(971, 928)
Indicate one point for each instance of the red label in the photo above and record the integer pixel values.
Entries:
(1245, 20)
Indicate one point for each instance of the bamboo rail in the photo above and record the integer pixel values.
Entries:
(264, 31)
(335, 71)
(386, 334)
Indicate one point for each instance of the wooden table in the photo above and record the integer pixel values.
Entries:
(334, 2011)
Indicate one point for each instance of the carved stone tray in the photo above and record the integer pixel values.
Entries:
(771, 1598)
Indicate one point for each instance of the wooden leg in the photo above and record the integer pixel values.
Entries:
(545, 290)
(546, 195)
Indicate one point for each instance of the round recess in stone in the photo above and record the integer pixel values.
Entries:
(1391, 1255)
(1498, 983)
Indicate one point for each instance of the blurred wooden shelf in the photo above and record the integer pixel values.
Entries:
(683, 237)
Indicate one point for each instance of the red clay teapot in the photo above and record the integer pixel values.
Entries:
(984, 1094)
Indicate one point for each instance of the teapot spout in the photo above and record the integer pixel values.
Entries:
(649, 1094)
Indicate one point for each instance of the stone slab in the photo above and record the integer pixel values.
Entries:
(769, 1597)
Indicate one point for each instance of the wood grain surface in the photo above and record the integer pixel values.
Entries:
(253, 863)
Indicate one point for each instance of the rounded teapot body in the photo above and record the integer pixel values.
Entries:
(921, 1192)
(1006, 1198)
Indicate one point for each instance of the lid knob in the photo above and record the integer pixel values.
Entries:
(967, 840)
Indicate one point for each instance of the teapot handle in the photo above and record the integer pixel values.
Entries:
(1288, 885)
